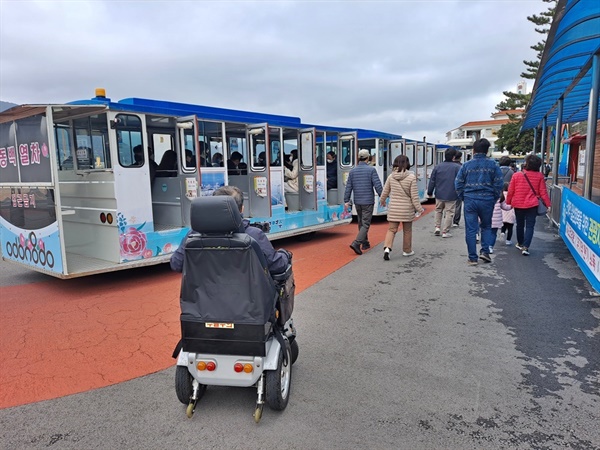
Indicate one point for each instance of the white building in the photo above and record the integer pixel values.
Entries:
(465, 135)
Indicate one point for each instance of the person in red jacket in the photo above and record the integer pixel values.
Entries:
(524, 199)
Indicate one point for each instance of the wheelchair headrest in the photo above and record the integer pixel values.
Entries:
(216, 214)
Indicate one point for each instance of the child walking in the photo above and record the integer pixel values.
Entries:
(497, 219)
(508, 219)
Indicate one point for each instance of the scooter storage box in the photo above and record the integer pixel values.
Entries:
(225, 338)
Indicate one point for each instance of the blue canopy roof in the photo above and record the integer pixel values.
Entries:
(565, 68)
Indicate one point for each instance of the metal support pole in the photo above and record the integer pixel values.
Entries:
(557, 140)
(590, 142)
(543, 140)
(534, 141)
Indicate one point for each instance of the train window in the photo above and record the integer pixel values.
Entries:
(396, 149)
(380, 150)
(320, 151)
(129, 139)
(64, 147)
(188, 148)
(237, 154)
(275, 153)
(429, 155)
(410, 153)
(91, 144)
(259, 150)
(307, 148)
(420, 155)
(347, 151)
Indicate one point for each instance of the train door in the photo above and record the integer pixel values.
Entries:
(382, 156)
(307, 177)
(259, 186)
(410, 152)
(429, 165)
(395, 149)
(421, 170)
(347, 154)
(131, 180)
(323, 184)
(192, 159)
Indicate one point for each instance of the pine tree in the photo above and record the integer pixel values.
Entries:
(508, 135)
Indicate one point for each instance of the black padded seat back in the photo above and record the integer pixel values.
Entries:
(225, 275)
(216, 215)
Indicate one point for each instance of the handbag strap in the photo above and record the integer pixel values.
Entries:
(407, 194)
(531, 186)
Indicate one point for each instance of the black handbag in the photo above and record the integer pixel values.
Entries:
(542, 209)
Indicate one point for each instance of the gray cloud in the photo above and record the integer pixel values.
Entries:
(413, 68)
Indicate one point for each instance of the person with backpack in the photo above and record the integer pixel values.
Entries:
(505, 168)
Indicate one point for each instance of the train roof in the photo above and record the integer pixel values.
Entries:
(186, 109)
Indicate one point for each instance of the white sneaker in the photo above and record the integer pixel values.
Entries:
(437, 232)
(491, 250)
(454, 225)
(408, 254)
(446, 235)
(508, 242)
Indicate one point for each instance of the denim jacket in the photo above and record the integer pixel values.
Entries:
(480, 178)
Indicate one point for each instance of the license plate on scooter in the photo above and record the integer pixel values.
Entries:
(229, 326)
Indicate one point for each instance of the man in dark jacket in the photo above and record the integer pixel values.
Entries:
(276, 260)
(442, 182)
(479, 183)
(361, 182)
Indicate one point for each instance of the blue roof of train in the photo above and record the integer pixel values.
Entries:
(184, 109)
(230, 115)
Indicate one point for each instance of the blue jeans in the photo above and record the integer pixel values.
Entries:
(525, 225)
(478, 214)
(493, 237)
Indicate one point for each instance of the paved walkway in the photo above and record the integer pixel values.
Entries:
(413, 353)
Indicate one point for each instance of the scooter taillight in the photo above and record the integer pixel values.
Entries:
(246, 368)
(206, 365)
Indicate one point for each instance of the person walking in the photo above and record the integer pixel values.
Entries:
(507, 172)
(508, 219)
(499, 208)
(479, 185)
(401, 188)
(362, 180)
(523, 192)
(458, 204)
(442, 182)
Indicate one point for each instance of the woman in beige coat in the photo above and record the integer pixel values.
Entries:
(401, 187)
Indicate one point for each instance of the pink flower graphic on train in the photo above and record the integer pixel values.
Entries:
(147, 253)
(168, 248)
(133, 243)
(41, 244)
(22, 240)
(29, 245)
(45, 150)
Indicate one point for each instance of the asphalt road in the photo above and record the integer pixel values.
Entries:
(414, 353)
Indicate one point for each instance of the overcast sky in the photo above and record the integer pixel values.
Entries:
(415, 68)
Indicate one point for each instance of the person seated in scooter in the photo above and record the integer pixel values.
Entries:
(277, 261)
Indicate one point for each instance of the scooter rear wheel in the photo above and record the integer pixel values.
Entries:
(183, 384)
(295, 350)
(278, 382)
